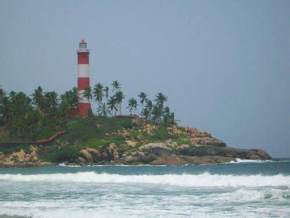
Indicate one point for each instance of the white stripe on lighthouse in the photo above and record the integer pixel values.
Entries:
(83, 70)
(82, 98)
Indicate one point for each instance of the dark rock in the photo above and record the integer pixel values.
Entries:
(158, 149)
(169, 160)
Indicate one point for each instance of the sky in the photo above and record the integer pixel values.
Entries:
(224, 64)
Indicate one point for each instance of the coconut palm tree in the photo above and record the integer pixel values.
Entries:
(99, 94)
(106, 91)
(168, 117)
(38, 97)
(112, 105)
(132, 105)
(88, 93)
(157, 113)
(2, 93)
(69, 102)
(119, 97)
(103, 111)
(51, 103)
(142, 97)
(147, 110)
(160, 99)
(116, 85)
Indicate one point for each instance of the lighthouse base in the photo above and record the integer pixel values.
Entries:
(84, 109)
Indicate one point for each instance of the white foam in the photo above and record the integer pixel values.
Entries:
(187, 180)
(238, 160)
(68, 165)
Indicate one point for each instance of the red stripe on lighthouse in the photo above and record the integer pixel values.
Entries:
(83, 83)
(83, 58)
(84, 109)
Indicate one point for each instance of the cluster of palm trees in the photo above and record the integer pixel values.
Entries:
(110, 103)
(20, 111)
(25, 115)
(106, 104)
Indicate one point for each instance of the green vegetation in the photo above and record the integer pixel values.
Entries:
(44, 113)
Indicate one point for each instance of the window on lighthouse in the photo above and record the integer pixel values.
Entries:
(83, 45)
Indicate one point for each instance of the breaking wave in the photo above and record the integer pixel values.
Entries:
(186, 180)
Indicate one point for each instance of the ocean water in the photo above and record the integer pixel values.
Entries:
(240, 189)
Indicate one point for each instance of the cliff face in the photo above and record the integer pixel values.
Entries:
(201, 148)
(162, 153)
(137, 143)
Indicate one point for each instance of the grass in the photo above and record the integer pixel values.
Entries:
(96, 132)
(183, 140)
(14, 148)
(57, 154)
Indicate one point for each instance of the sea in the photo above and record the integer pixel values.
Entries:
(236, 189)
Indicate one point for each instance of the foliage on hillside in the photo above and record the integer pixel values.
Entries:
(40, 115)
(96, 132)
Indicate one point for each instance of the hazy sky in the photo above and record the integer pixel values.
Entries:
(224, 64)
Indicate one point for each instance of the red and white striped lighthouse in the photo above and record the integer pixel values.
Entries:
(84, 105)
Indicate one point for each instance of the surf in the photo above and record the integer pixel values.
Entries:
(186, 180)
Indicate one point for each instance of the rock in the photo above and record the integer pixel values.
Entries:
(113, 151)
(131, 143)
(203, 138)
(145, 158)
(258, 154)
(181, 149)
(210, 159)
(158, 149)
(96, 154)
(86, 155)
(81, 160)
(169, 160)
(129, 159)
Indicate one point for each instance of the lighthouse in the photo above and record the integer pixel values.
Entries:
(84, 105)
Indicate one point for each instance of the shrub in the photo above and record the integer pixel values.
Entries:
(160, 133)
(62, 154)
(184, 140)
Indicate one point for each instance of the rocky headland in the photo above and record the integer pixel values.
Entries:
(141, 143)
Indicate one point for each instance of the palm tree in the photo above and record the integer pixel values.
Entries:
(88, 93)
(116, 85)
(51, 103)
(2, 93)
(119, 97)
(147, 110)
(160, 99)
(132, 105)
(99, 94)
(69, 102)
(156, 113)
(3, 106)
(106, 90)
(103, 111)
(142, 97)
(112, 104)
(168, 117)
(74, 96)
(38, 98)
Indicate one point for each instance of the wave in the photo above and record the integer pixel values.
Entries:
(238, 160)
(186, 180)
